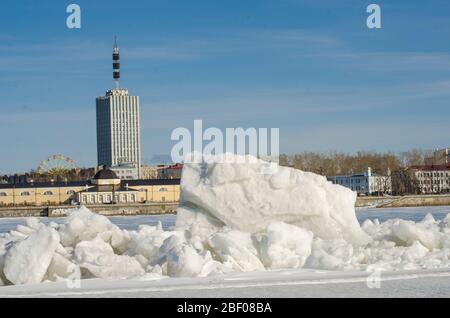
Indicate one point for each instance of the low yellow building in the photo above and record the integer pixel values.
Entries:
(104, 188)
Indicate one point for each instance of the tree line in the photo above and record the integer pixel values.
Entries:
(340, 163)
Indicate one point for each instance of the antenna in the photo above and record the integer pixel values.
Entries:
(116, 63)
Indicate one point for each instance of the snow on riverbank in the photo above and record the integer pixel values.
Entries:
(231, 218)
(267, 284)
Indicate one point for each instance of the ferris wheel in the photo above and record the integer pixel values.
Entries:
(56, 166)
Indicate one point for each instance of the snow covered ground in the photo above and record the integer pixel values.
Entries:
(124, 222)
(239, 232)
(278, 283)
(285, 283)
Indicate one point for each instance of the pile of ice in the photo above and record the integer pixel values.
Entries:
(232, 217)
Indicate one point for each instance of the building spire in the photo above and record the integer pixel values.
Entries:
(116, 63)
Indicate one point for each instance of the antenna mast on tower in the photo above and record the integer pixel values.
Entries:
(116, 64)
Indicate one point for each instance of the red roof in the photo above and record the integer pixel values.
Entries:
(431, 167)
(175, 166)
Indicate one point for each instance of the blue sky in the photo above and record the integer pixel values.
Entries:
(311, 68)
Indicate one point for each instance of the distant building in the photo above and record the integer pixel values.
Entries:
(126, 171)
(439, 157)
(18, 178)
(170, 172)
(104, 188)
(365, 183)
(107, 188)
(432, 178)
(118, 125)
(149, 172)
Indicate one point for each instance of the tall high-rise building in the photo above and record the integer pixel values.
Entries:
(118, 124)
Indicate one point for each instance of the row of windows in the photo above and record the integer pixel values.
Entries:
(433, 174)
(124, 171)
(342, 181)
(70, 192)
(106, 198)
(26, 193)
(160, 190)
(433, 189)
(435, 182)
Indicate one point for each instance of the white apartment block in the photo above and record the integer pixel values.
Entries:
(432, 179)
(118, 129)
(364, 183)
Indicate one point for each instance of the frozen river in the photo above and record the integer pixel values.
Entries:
(168, 220)
(412, 214)
(279, 283)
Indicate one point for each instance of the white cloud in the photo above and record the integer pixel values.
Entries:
(386, 61)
